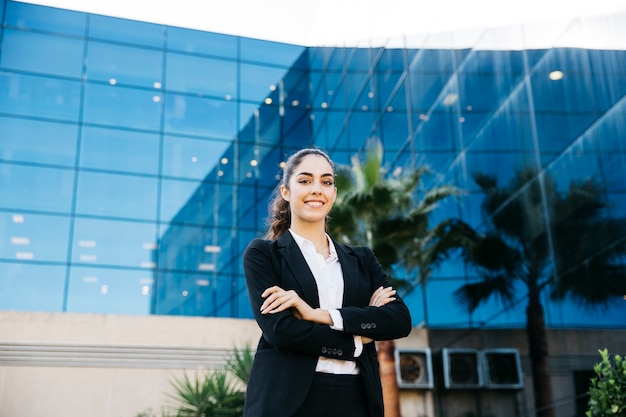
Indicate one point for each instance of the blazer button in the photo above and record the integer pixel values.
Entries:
(334, 351)
(373, 325)
(340, 352)
(323, 350)
(368, 325)
(363, 326)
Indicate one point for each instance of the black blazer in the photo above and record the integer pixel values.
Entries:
(288, 350)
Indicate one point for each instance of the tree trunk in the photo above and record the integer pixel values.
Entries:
(538, 350)
(391, 393)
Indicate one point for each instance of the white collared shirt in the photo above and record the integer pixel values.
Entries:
(329, 279)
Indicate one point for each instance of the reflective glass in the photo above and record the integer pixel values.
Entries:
(203, 76)
(43, 97)
(124, 65)
(178, 194)
(33, 237)
(258, 81)
(122, 107)
(109, 291)
(36, 141)
(192, 158)
(190, 248)
(27, 187)
(116, 195)
(280, 54)
(119, 150)
(51, 55)
(126, 31)
(114, 243)
(200, 116)
(48, 19)
(30, 287)
(196, 42)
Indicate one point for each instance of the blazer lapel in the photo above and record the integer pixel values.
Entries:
(299, 271)
(350, 270)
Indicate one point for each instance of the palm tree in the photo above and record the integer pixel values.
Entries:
(559, 244)
(385, 214)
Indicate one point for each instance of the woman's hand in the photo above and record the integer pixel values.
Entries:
(382, 296)
(277, 300)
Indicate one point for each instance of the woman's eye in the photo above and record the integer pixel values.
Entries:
(329, 183)
(303, 181)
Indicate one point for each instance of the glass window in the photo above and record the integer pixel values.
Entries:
(45, 18)
(124, 65)
(176, 195)
(126, 31)
(190, 248)
(266, 51)
(258, 81)
(116, 195)
(197, 42)
(200, 116)
(52, 55)
(192, 158)
(26, 287)
(36, 188)
(109, 291)
(34, 237)
(122, 107)
(193, 74)
(115, 243)
(27, 140)
(39, 96)
(119, 150)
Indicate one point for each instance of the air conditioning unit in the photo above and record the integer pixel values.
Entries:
(461, 368)
(414, 368)
(502, 369)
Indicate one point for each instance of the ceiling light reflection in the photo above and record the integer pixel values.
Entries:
(18, 218)
(212, 249)
(17, 240)
(206, 267)
(556, 75)
(24, 255)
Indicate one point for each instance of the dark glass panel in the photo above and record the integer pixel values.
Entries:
(36, 188)
(42, 97)
(48, 19)
(190, 248)
(122, 107)
(202, 76)
(36, 141)
(26, 287)
(114, 243)
(109, 291)
(46, 54)
(126, 31)
(394, 130)
(34, 237)
(119, 150)
(124, 65)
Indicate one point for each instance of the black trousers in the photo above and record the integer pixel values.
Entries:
(335, 396)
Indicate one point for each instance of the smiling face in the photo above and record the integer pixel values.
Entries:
(310, 191)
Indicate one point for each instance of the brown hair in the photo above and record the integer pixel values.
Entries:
(279, 218)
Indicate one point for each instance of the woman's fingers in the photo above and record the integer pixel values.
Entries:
(278, 300)
(382, 296)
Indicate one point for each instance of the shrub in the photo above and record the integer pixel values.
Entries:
(607, 391)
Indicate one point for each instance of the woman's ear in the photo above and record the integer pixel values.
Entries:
(284, 191)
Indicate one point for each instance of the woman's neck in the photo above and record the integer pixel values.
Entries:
(315, 234)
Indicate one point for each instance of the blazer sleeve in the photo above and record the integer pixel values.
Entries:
(391, 321)
(262, 268)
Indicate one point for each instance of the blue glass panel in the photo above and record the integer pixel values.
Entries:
(193, 74)
(36, 141)
(258, 81)
(116, 195)
(39, 96)
(46, 54)
(124, 65)
(45, 18)
(122, 107)
(192, 158)
(126, 31)
(34, 237)
(119, 150)
(201, 116)
(189, 248)
(115, 243)
(182, 201)
(36, 188)
(31, 287)
(197, 42)
(425, 89)
(109, 291)
(395, 130)
(182, 293)
(281, 54)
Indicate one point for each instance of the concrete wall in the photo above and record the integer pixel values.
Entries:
(88, 365)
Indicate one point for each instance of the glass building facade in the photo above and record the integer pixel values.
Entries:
(137, 160)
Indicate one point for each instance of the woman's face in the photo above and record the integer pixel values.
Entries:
(311, 190)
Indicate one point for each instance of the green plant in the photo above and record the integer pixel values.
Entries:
(240, 362)
(607, 391)
(210, 394)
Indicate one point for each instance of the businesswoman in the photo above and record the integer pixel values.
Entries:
(320, 306)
